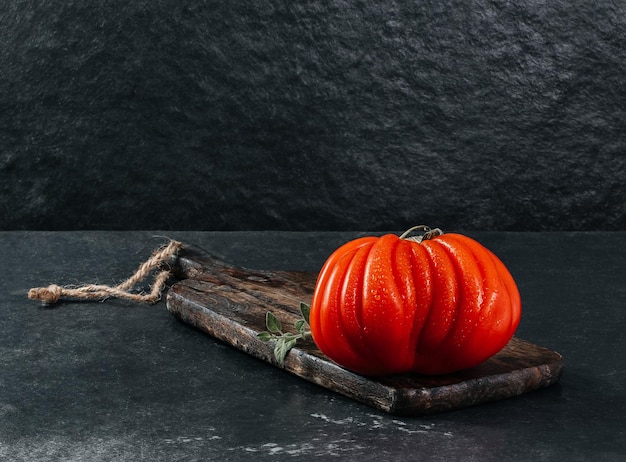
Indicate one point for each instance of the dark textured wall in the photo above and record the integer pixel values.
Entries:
(178, 114)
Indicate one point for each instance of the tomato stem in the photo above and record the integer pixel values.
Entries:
(428, 233)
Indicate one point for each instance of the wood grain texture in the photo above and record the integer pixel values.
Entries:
(230, 304)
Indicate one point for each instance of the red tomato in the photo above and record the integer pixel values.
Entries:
(389, 305)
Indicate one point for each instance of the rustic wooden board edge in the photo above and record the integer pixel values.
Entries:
(407, 401)
(477, 391)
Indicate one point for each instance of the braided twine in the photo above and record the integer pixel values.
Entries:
(53, 293)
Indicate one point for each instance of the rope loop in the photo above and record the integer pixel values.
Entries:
(53, 293)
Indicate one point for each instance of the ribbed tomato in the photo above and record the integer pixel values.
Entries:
(432, 305)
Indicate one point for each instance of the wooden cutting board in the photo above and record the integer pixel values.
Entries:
(230, 303)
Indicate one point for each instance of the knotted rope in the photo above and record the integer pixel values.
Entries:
(51, 294)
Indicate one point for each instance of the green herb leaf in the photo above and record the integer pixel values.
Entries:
(285, 341)
(281, 349)
(300, 326)
(305, 310)
(272, 323)
(265, 336)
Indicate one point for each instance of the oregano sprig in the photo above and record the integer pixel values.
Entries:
(285, 341)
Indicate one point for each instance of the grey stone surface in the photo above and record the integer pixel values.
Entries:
(118, 381)
(316, 115)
